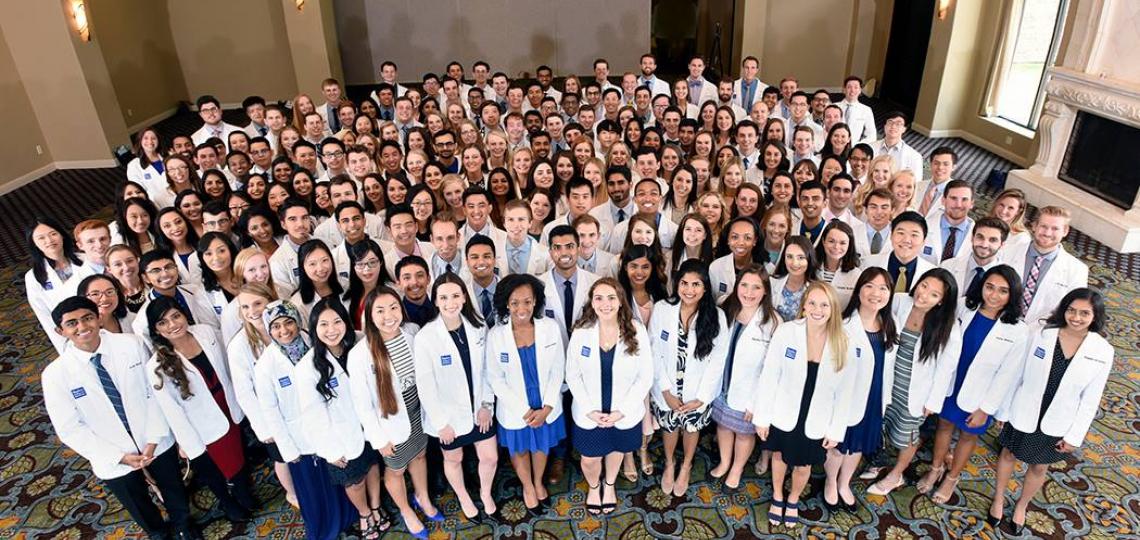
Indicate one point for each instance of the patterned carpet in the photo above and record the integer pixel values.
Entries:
(48, 492)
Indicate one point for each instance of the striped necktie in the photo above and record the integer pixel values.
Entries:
(109, 388)
(1031, 283)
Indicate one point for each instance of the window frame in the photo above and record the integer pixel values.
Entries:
(1003, 59)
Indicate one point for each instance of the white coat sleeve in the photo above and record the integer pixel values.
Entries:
(1087, 406)
(497, 377)
(840, 419)
(945, 372)
(552, 392)
(263, 381)
(241, 373)
(36, 298)
(362, 381)
(631, 401)
(315, 419)
(1006, 376)
(427, 386)
(659, 349)
(713, 375)
(766, 387)
(575, 378)
(72, 429)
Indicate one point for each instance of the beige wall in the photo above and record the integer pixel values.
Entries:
(138, 49)
(312, 44)
(18, 155)
(818, 41)
(233, 49)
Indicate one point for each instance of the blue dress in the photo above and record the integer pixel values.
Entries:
(528, 439)
(866, 437)
(972, 339)
(325, 509)
(599, 441)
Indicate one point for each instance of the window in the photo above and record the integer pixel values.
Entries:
(1029, 47)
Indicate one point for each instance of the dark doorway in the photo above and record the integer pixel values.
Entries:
(679, 29)
(906, 53)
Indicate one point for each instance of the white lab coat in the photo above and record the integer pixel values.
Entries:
(44, 298)
(330, 234)
(702, 376)
(748, 360)
(392, 255)
(1078, 397)
(961, 267)
(197, 300)
(722, 276)
(932, 249)
(863, 242)
(285, 269)
(658, 86)
(441, 380)
(864, 359)
(632, 377)
(1065, 274)
(189, 272)
(861, 120)
(197, 420)
(83, 416)
(281, 408)
(554, 284)
(379, 431)
(844, 284)
(781, 386)
(907, 158)
(882, 260)
(708, 93)
(604, 213)
(331, 424)
(148, 177)
(996, 365)
(930, 381)
(606, 264)
(738, 94)
(504, 371)
(203, 134)
(241, 361)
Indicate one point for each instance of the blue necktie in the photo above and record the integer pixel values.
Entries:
(976, 281)
(568, 305)
(109, 388)
(488, 308)
(621, 215)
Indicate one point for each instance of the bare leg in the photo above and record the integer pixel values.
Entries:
(779, 469)
(762, 462)
(609, 494)
(538, 467)
(453, 470)
(418, 470)
(394, 482)
(906, 455)
(831, 467)
(286, 479)
(846, 472)
(669, 441)
(521, 463)
(1005, 465)
(488, 454)
(937, 464)
(800, 476)
(689, 448)
(962, 452)
(724, 443)
(1034, 479)
(742, 451)
(372, 481)
(592, 471)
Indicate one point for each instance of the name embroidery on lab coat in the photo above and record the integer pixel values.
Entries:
(504, 357)
(723, 287)
(858, 352)
(77, 393)
(550, 313)
(927, 250)
(664, 335)
(445, 360)
(333, 383)
(790, 353)
(585, 351)
(218, 309)
(284, 381)
(48, 286)
(1039, 353)
(297, 272)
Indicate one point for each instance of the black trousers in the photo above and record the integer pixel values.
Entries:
(132, 492)
(234, 495)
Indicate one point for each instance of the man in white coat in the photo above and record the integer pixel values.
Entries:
(620, 206)
(856, 115)
(1047, 270)
(951, 226)
(159, 270)
(567, 286)
(988, 238)
(908, 233)
(700, 89)
(892, 144)
(647, 195)
(748, 89)
(210, 111)
(649, 78)
(942, 161)
(102, 407)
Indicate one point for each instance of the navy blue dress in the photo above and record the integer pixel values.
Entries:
(599, 441)
(972, 340)
(866, 437)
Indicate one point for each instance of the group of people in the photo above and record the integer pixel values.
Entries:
(363, 288)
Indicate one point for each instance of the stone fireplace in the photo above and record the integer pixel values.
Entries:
(1093, 94)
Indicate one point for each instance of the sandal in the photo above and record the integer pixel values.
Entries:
(792, 522)
(629, 468)
(930, 479)
(871, 473)
(940, 496)
(608, 508)
(774, 519)
(646, 461)
(593, 509)
(368, 528)
(382, 520)
(882, 488)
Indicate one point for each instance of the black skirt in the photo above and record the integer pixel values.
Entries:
(471, 437)
(795, 447)
(599, 442)
(357, 468)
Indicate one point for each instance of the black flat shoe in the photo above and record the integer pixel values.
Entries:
(849, 507)
(477, 519)
(831, 507)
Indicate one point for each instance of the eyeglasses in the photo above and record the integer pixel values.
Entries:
(447, 144)
(260, 152)
(161, 269)
(178, 168)
(336, 154)
(208, 109)
(421, 204)
(96, 295)
(220, 222)
(367, 265)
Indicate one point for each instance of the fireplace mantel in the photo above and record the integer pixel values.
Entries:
(1066, 92)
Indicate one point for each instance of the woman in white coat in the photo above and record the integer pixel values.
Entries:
(993, 349)
(382, 372)
(174, 233)
(802, 396)
(328, 415)
(147, 169)
(191, 377)
(243, 351)
(526, 367)
(838, 259)
(930, 343)
(104, 290)
(457, 398)
(1052, 405)
(741, 244)
(55, 267)
(610, 368)
(749, 307)
(871, 329)
(689, 343)
(325, 509)
(796, 269)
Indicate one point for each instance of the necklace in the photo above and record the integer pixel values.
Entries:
(457, 335)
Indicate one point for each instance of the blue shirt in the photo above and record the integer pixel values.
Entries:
(893, 265)
(748, 93)
(519, 256)
(1032, 255)
(959, 236)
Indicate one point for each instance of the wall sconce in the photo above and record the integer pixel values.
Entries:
(79, 16)
(300, 4)
(943, 9)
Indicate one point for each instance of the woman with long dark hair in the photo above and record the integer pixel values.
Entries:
(108, 296)
(327, 413)
(682, 196)
(55, 265)
(457, 397)
(318, 277)
(993, 337)
(366, 272)
(741, 247)
(838, 260)
(689, 346)
(173, 233)
(795, 271)
(694, 241)
(1050, 410)
(753, 319)
(133, 224)
(216, 254)
(930, 343)
(190, 375)
(611, 370)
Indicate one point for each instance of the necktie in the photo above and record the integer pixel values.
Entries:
(1031, 283)
(976, 281)
(900, 283)
(568, 304)
(621, 215)
(516, 262)
(847, 113)
(488, 308)
(109, 388)
(927, 200)
(877, 243)
(262, 130)
(746, 163)
(449, 269)
(950, 245)
(334, 122)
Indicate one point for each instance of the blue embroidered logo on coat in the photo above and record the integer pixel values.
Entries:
(333, 383)
(284, 381)
(790, 353)
(927, 250)
(48, 286)
(664, 335)
(445, 360)
(504, 357)
(585, 351)
(218, 310)
(1039, 353)
(858, 352)
(723, 287)
(77, 393)
(550, 313)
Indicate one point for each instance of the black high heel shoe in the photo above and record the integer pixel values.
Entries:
(1012, 529)
(994, 522)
